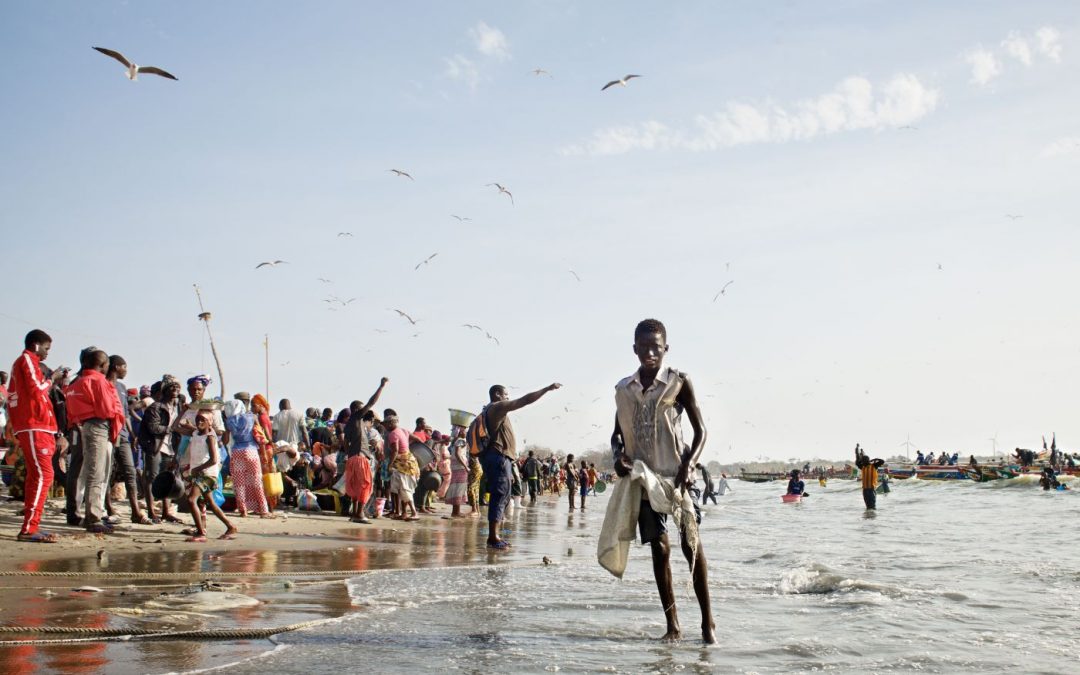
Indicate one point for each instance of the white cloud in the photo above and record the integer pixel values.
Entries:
(1017, 47)
(1049, 43)
(490, 41)
(1068, 145)
(852, 105)
(462, 69)
(984, 66)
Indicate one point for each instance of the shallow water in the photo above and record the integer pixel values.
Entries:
(944, 577)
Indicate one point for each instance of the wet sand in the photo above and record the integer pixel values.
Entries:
(297, 544)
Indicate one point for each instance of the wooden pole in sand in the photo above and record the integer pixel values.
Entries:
(204, 316)
(266, 347)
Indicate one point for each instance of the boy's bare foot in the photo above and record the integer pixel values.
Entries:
(708, 633)
(673, 635)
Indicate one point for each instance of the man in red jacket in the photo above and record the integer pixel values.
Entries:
(92, 404)
(34, 426)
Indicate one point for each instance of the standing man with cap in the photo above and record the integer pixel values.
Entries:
(34, 426)
(245, 397)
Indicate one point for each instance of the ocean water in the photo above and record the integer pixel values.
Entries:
(943, 578)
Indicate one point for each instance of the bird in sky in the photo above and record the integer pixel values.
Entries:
(909, 127)
(325, 281)
(540, 71)
(344, 234)
(405, 316)
(940, 267)
(575, 275)
(133, 69)
(424, 261)
(272, 264)
(622, 81)
(399, 172)
(492, 338)
(460, 219)
(502, 190)
(723, 290)
(473, 326)
(380, 330)
(1013, 216)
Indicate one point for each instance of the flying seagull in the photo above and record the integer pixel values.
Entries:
(492, 338)
(398, 172)
(623, 81)
(424, 261)
(460, 219)
(133, 69)
(1012, 216)
(502, 190)
(940, 267)
(344, 234)
(406, 316)
(575, 275)
(325, 281)
(540, 71)
(272, 264)
(908, 127)
(472, 326)
(723, 290)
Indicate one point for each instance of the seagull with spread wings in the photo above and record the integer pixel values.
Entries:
(460, 219)
(399, 172)
(723, 290)
(502, 190)
(404, 316)
(424, 261)
(492, 338)
(1013, 216)
(344, 234)
(133, 69)
(540, 71)
(325, 281)
(575, 275)
(272, 264)
(623, 81)
(472, 326)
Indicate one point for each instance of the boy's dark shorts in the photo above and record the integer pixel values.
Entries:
(653, 525)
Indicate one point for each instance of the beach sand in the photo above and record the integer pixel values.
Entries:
(276, 572)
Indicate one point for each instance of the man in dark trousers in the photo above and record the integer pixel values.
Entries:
(501, 452)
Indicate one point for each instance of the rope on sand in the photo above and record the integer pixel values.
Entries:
(125, 634)
(242, 575)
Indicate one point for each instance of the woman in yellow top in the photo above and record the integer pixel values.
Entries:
(869, 470)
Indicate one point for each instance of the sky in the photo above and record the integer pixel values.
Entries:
(886, 193)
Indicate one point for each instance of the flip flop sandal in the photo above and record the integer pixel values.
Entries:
(197, 539)
(189, 532)
(143, 521)
(99, 528)
(39, 538)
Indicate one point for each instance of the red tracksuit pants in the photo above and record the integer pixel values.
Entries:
(38, 448)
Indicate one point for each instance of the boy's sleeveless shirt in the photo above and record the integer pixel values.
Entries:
(650, 424)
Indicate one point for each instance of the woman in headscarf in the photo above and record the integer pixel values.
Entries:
(185, 425)
(404, 471)
(458, 491)
(244, 464)
(264, 436)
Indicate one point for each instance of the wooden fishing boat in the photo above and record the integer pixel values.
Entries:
(761, 476)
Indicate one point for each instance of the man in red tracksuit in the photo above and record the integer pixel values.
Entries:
(93, 405)
(34, 426)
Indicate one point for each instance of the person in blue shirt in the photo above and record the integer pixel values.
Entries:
(795, 486)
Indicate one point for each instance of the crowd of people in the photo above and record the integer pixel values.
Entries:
(167, 447)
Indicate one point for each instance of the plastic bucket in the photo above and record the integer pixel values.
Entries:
(461, 418)
(167, 485)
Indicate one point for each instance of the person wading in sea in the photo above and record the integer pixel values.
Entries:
(501, 452)
(648, 428)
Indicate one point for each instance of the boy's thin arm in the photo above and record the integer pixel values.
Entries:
(689, 402)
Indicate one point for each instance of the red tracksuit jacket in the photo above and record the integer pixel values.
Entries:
(92, 396)
(28, 398)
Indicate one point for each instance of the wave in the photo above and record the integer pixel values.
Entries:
(817, 579)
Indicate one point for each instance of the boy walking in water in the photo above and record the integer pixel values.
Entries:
(649, 406)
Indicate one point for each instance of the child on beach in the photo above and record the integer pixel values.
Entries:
(201, 472)
(648, 429)
(583, 480)
(571, 479)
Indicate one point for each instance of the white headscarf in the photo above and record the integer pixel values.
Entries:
(234, 407)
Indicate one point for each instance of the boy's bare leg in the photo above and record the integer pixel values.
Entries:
(701, 590)
(661, 559)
